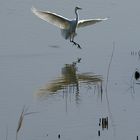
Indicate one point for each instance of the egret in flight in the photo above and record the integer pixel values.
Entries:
(68, 27)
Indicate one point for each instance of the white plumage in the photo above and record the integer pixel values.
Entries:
(67, 26)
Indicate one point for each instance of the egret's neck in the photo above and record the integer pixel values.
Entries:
(76, 15)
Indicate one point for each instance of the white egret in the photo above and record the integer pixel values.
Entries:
(68, 27)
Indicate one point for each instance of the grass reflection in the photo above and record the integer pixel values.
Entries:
(71, 81)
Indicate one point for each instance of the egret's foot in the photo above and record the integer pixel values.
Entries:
(78, 46)
(74, 43)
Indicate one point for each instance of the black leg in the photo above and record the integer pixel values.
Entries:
(79, 46)
(74, 43)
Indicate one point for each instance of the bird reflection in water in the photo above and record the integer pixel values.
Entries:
(70, 82)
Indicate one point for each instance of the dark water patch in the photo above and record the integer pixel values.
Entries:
(58, 136)
(99, 133)
(137, 74)
(135, 80)
(103, 124)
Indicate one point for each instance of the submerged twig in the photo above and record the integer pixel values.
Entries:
(20, 122)
(108, 70)
(106, 88)
(20, 119)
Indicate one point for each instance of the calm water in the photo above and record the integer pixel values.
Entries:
(65, 86)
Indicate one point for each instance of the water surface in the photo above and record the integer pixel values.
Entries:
(67, 86)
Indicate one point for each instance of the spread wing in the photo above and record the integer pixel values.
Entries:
(57, 20)
(83, 23)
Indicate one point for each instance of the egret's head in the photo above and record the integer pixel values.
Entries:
(78, 8)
